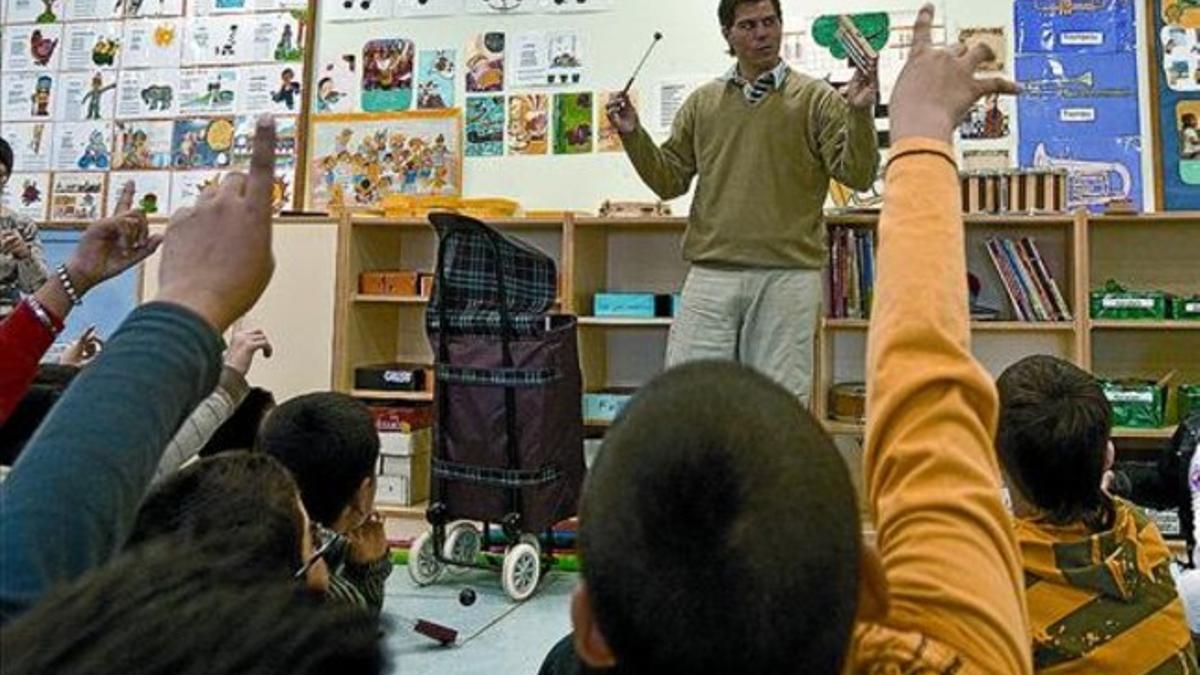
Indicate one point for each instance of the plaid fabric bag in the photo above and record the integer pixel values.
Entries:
(509, 432)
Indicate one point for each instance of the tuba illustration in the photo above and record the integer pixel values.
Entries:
(1089, 182)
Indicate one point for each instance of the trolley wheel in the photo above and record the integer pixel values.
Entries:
(532, 540)
(464, 542)
(423, 565)
(522, 571)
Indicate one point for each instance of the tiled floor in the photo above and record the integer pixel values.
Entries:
(496, 636)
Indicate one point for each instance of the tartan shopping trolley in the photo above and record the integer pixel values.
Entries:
(508, 432)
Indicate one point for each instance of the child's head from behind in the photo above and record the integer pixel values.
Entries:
(718, 513)
(1053, 438)
(329, 443)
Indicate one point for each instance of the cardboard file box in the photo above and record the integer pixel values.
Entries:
(389, 282)
(404, 467)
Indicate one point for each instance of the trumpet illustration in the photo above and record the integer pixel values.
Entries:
(1089, 182)
(1059, 85)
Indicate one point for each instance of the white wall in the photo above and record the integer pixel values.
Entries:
(615, 40)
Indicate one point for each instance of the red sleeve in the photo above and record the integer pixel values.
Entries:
(24, 340)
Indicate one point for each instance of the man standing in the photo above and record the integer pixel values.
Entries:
(764, 141)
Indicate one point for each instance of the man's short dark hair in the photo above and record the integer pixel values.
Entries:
(1055, 425)
(719, 513)
(48, 386)
(727, 10)
(194, 608)
(224, 496)
(329, 443)
(6, 155)
(240, 431)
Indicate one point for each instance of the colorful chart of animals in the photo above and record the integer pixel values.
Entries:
(101, 91)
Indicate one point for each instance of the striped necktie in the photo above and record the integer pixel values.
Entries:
(757, 90)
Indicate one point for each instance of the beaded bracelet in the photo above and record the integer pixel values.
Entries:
(69, 287)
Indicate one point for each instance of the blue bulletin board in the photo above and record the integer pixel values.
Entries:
(1175, 97)
(106, 305)
(1075, 26)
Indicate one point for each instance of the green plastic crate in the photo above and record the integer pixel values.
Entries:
(1189, 400)
(1136, 404)
(1125, 305)
(1186, 309)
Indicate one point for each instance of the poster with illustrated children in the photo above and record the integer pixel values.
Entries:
(387, 75)
(93, 10)
(205, 143)
(208, 91)
(32, 48)
(484, 119)
(92, 45)
(218, 40)
(608, 139)
(33, 11)
(485, 63)
(528, 124)
(153, 43)
(285, 141)
(186, 186)
(337, 84)
(27, 195)
(279, 37)
(572, 123)
(32, 144)
(83, 146)
(435, 80)
(27, 96)
(270, 89)
(86, 96)
(77, 196)
(143, 144)
(358, 160)
(139, 9)
(147, 93)
(151, 191)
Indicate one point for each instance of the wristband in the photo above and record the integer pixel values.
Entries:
(69, 287)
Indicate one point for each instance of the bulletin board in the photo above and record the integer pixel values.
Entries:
(1174, 52)
(163, 93)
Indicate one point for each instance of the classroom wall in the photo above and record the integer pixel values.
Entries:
(692, 48)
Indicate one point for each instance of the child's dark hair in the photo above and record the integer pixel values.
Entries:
(719, 513)
(240, 431)
(329, 443)
(1055, 425)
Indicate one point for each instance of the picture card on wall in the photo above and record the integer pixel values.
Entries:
(96, 44)
(32, 144)
(86, 96)
(1067, 95)
(32, 48)
(285, 141)
(270, 89)
(278, 38)
(387, 81)
(1100, 26)
(151, 191)
(1099, 170)
(94, 10)
(501, 6)
(28, 96)
(573, 123)
(355, 10)
(147, 93)
(205, 143)
(988, 119)
(153, 43)
(995, 38)
(419, 8)
(484, 119)
(529, 64)
(485, 62)
(208, 90)
(137, 9)
(1180, 49)
(83, 146)
(142, 144)
(528, 124)
(186, 186)
(608, 139)
(33, 11)
(338, 80)
(565, 52)
(219, 40)
(27, 195)
(435, 84)
(77, 196)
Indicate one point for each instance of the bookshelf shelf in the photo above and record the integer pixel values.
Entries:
(1145, 325)
(410, 396)
(391, 299)
(625, 322)
(398, 512)
(1144, 434)
(980, 326)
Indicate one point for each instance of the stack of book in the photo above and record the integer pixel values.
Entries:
(1030, 287)
(851, 273)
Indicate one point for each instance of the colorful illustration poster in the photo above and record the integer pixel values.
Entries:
(338, 81)
(32, 144)
(1080, 26)
(83, 146)
(988, 119)
(147, 93)
(573, 123)
(484, 118)
(186, 186)
(358, 160)
(32, 48)
(142, 144)
(96, 44)
(1099, 170)
(435, 82)
(153, 43)
(528, 124)
(86, 96)
(1068, 95)
(565, 51)
(285, 141)
(387, 79)
(485, 63)
(205, 143)
(34, 11)
(270, 89)
(219, 40)
(419, 8)
(151, 191)
(138, 9)
(1176, 80)
(279, 38)
(608, 139)
(77, 196)
(27, 96)
(27, 195)
(208, 91)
